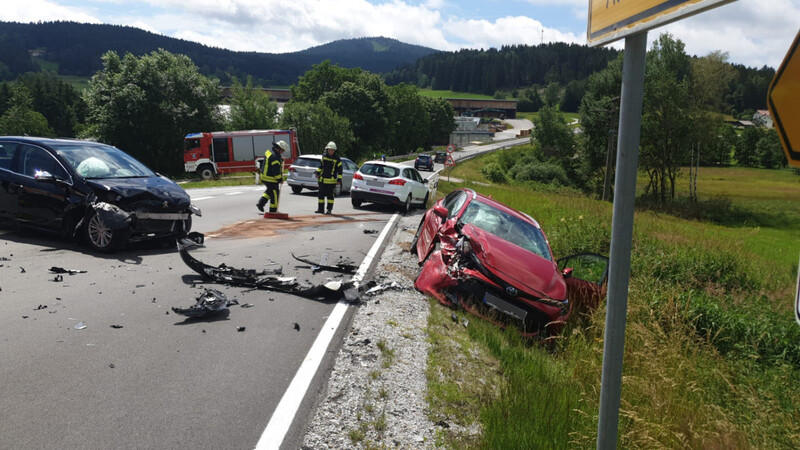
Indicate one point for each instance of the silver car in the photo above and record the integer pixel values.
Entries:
(301, 174)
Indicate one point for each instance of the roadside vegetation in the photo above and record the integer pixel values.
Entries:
(712, 356)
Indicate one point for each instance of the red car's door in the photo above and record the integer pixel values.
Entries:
(586, 275)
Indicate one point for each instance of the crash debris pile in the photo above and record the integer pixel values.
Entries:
(210, 302)
(378, 383)
(271, 280)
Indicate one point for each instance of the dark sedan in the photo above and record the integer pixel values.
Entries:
(88, 190)
(424, 162)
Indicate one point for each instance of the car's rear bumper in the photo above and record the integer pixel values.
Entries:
(304, 183)
(374, 197)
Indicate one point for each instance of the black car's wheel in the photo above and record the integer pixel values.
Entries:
(206, 172)
(101, 238)
(297, 189)
(407, 205)
(356, 202)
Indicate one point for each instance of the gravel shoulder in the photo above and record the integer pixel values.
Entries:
(376, 394)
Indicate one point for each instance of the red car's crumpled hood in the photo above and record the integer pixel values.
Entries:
(517, 266)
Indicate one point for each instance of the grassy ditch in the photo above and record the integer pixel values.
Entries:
(712, 356)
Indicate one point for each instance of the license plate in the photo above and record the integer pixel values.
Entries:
(504, 306)
(375, 183)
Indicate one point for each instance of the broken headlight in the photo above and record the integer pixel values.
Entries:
(195, 211)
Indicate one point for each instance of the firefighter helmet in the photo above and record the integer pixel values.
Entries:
(331, 144)
(280, 145)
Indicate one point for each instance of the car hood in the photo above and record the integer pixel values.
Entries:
(515, 265)
(156, 194)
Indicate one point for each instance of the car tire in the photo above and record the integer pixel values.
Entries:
(297, 189)
(337, 191)
(407, 205)
(100, 238)
(424, 204)
(356, 202)
(414, 241)
(206, 172)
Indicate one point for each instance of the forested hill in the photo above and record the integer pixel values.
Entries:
(77, 48)
(510, 67)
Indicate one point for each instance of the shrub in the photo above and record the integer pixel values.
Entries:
(494, 172)
(547, 173)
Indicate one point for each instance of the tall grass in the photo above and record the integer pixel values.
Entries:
(712, 355)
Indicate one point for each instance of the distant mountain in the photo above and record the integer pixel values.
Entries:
(76, 49)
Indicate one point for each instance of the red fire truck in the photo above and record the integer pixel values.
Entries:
(211, 154)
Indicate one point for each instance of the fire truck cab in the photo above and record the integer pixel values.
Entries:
(213, 153)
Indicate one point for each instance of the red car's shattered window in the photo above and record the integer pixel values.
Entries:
(507, 227)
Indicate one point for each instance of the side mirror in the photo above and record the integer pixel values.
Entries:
(425, 181)
(567, 272)
(440, 210)
(44, 176)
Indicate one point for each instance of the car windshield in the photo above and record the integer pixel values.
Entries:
(307, 162)
(507, 227)
(379, 170)
(423, 157)
(102, 161)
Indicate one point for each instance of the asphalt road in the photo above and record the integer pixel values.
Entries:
(100, 361)
(161, 381)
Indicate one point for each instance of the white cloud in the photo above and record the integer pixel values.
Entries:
(506, 31)
(42, 10)
(753, 33)
(277, 26)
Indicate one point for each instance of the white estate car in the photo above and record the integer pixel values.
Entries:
(389, 183)
(301, 174)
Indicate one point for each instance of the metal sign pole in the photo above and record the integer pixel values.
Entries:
(621, 237)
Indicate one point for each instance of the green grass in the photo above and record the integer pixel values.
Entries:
(46, 66)
(568, 116)
(451, 94)
(79, 83)
(711, 358)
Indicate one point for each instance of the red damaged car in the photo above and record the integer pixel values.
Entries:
(496, 262)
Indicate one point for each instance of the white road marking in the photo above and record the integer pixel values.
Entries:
(201, 198)
(234, 193)
(282, 418)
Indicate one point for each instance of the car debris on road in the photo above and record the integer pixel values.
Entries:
(343, 266)
(55, 269)
(264, 280)
(211, 301)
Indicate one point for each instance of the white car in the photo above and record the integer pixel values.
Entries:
(301, 174)
(389, 183)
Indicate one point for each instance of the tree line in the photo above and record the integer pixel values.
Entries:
(529, 72)
(683, 126)
(146, 105)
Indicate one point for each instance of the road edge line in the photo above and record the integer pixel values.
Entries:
(283, 416)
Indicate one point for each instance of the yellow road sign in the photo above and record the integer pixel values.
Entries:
(783, 100)
(610, 20)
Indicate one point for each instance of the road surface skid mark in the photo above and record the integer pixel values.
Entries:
(268, 227)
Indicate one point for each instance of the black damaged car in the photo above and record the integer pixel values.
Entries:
(88, 190)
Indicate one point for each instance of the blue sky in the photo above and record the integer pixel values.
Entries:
(752, 32)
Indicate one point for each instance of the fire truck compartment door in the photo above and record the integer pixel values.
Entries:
(262, 144)
(243, 148)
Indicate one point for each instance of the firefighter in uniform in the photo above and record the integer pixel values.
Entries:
(329, 175)
(272, 176)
